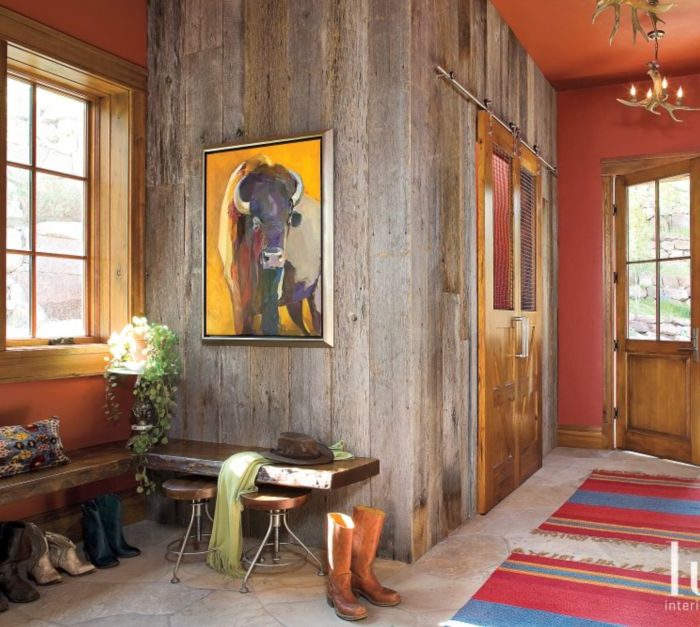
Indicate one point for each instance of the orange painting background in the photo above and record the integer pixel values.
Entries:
(304, 157)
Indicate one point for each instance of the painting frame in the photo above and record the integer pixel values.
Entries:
(326, 174)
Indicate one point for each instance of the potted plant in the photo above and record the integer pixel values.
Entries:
(150, 352)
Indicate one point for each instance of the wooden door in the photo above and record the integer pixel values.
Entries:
(657, 228)
(509, 313)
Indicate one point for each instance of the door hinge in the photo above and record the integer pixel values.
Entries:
(614, 209)
(616, 345)
(614, 277)
(616, 413)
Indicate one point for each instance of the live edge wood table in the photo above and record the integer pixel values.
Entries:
(206, 458)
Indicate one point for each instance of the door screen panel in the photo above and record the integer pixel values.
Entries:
(658, 260)
(528, 239)
(502, 230)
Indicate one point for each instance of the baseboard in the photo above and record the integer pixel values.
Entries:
(67, 520)
(579, 436)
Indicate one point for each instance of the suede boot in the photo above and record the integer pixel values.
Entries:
(15, 547)
(110, 508)
(40, 567)
(340, 596)
(64, 556)
(369, 523)
(94, 538)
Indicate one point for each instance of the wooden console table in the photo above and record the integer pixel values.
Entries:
(206, 458)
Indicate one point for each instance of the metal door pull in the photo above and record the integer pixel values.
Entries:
(524, 336)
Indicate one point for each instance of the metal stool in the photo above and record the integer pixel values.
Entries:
(198, 491)
(277, 502)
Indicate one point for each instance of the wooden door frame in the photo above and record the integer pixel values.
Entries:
(610, 170)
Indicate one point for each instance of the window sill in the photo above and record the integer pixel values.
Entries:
(32, 363)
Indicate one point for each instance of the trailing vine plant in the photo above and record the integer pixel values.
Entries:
(151, 352)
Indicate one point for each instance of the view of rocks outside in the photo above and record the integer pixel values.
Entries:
(669, 261)
(56, 224)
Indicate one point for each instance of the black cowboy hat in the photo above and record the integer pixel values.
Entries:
(299, 449)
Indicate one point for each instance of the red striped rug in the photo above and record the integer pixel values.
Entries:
(541, 591)
(631, 507)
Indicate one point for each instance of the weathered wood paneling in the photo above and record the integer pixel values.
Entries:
(400, 383)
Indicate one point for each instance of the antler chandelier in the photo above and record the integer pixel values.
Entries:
(658, 96)
(651, 8)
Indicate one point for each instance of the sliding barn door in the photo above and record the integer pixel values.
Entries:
(509, 313)
(657, 314)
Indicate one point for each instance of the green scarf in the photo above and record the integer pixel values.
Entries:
(237, 477)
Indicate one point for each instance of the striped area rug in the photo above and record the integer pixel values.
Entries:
(629, 507)
(532, 591)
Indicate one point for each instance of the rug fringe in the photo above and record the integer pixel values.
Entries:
(595, 561)
(623, 473)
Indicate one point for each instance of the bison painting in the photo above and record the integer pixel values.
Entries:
(270, 246)
(268, 242)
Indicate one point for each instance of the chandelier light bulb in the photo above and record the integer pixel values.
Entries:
(679, 94)
(649, 93)
(633, 92)
(664, 83)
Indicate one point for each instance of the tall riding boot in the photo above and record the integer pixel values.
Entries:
(110, 508)
(40, 567)
(94, 538)
(340, 596)
(368, 529)
(15, 547)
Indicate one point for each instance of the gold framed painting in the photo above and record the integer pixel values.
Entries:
(268, 242)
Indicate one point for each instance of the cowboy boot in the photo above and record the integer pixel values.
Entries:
(365, 541)
(15, 547)
(110, 508)
(340, 596)
(95, 539)
(63, 555)
(39, 567)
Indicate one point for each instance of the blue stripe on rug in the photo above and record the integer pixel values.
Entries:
(487, 614)
(631, 501)
(603, 578)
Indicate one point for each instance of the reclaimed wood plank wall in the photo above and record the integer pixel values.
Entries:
(400, 383)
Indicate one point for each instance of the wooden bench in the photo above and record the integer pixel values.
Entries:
(206, 458)
(86, 466)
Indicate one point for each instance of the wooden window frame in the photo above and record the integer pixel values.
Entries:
(117, 90)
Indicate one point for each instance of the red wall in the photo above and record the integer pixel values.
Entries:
(118, 26)
(592, 126)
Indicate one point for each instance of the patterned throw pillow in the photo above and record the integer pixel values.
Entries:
(30, 447)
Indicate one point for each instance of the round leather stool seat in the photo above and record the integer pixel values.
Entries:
(272, 499)
(190, 488)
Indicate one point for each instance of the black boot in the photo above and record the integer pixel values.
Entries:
(3, 603)
(94, 538)
(15, 547)
(110, 508)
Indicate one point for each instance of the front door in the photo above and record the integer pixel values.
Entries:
(509, 313)
(657, 316)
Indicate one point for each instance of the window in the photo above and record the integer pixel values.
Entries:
(659, 259)
(48, 213)
(72, 202)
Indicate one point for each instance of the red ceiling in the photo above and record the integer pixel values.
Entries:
(572, 52)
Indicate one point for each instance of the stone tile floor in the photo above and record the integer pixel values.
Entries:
(139, 591)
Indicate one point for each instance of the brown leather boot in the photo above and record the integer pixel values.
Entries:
(340, 596)
(15, 547)
(368, 529)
